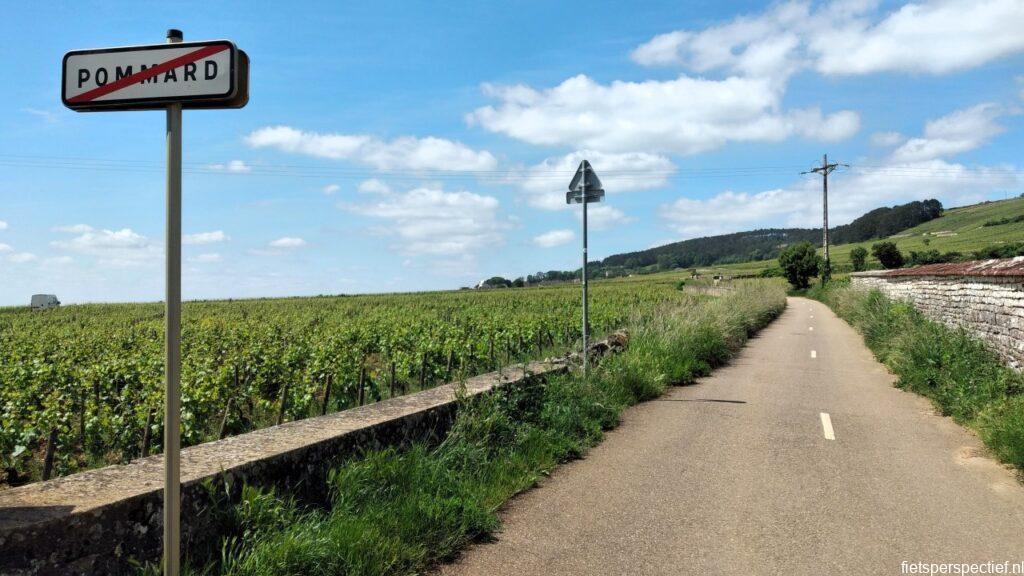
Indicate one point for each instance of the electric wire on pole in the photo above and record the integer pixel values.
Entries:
(825, 169)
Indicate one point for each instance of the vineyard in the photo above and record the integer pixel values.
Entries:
(82, 386)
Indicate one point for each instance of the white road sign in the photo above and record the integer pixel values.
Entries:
(210, 74)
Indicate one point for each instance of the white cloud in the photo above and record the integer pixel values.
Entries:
(16, 257)
(74, 229)
(373, 186)
(546, 183)
(429, 221)
(766, 45)
(21, 257)
(117, 248)
(235, 166)
(554, 238)
(663, 49)
(953, 134)
(200, 238)
(934, 37)
(3, 225)
(847, 37)
(406, 152)
(287, 242)
(206, 258)
(601, 217)
(917, 170)
(731, 211)
(686, 115)
(887, 139)
(331, 189)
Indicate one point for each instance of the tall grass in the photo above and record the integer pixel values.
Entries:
(959, 373)
(400, 511)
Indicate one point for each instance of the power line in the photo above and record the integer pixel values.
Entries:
(508, 175)
(825, 169)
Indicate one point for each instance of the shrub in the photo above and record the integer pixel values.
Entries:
(800, 262)
(888, 254)
(1010, 250)
(857, 257)
(933, 257)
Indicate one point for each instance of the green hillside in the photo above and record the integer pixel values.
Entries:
(957, 230)
(766, 243)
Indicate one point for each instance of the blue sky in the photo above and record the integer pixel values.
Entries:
(399, 146)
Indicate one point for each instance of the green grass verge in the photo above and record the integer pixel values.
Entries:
(959, 373)
(401, 511)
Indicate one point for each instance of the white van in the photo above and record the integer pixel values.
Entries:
(44, 301)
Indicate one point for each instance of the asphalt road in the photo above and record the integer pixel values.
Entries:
(738, 475)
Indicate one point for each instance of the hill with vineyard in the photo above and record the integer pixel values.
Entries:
(765, 244)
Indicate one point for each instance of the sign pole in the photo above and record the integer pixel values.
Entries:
(172, 366)
(171, 76)
(578, 194)
(585, 311)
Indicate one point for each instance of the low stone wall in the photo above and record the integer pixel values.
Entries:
(984, 297)
(94, 522)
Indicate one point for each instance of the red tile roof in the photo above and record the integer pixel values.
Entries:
(1006, 267)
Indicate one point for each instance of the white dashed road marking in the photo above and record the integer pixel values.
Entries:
(811, 328)
(826, 425)
(814, 353)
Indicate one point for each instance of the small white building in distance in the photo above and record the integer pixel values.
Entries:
(44, 301)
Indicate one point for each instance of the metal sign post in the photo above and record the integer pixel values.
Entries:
(584, 189)
(172, 352)
(583, 278)
(166, 77)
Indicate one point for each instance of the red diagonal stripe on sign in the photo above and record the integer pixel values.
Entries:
(149, 73)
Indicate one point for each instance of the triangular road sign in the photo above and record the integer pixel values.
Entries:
(584, 175)
(592, 181)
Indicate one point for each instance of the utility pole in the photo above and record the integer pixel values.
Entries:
(825, 169)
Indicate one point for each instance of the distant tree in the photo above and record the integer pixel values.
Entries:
(857, 256)
(667, 261)
(518, 282)
(496, 282)
(888, 254)
(1000, 251)
(933, 257)
(800, 262)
